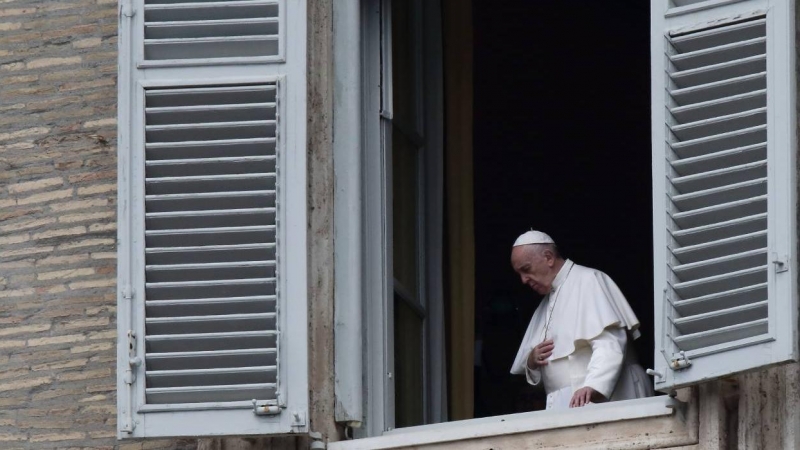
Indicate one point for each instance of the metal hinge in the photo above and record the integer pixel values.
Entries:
(317, 441)
(127, 292)
(298, 419)
(679, 361)
(126, 10)
(781, 264)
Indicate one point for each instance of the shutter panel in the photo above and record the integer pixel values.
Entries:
(212, 311)
(183, 30)
(210, 247)
(723, 149)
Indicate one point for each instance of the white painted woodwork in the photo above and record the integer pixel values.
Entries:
(212, 187)
(723, 149)
(182, 30)
(651, 419)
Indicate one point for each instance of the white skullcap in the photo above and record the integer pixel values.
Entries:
(533, 237)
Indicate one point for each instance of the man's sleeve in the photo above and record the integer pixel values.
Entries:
(605, 366)
(534, 376)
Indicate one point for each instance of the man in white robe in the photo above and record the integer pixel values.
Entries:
(577, 341)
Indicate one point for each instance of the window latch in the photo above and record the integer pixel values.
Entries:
(265, 410)
(133, 360)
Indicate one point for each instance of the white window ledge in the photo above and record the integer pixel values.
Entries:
(497, 426)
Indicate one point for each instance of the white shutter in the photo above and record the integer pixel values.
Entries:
(723, 168)
(184, 30)
(212, 309)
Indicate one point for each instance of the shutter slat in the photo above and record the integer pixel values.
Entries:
(210, 324)
(196, 271)
(719, 247)
(721, 318)
(207, 178)
(210, 248)
(208, 195)
(210, 113)
(220, 265)
(194, 231)
(210, 306)
(720, 177)
(215, 160)
(713, 37)
(194, 126)
(226, 340)
(718, 283)
(200, 394)
(719, 160)
(726, 335)
(208, 95)
(719, 54)
(721, 300)
(198, 48)
(210, 253)
(694, 112)
(718, 90)
(720, 142)
(202, 283)
(721, 212)
(720, 230)
(721, 265)
(211, 377)
(210, 130)
(720, 124)
(208, 212)
(717, 195)
(199, 28)
(721, 71)
(212, 359)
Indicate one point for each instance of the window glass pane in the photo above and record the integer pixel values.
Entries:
(405, 214)
(404, 64)
(408, 367)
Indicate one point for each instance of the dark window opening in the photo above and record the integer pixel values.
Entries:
(561, 144)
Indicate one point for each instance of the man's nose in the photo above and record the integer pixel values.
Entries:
(524, 278)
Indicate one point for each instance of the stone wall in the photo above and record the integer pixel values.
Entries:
(58, 64)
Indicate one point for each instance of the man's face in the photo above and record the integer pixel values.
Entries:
(535, 268)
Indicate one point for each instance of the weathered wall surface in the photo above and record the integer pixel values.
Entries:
(58, 64)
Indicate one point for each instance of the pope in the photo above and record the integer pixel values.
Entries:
(577, 343)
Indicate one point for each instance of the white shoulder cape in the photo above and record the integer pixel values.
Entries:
(587, 303)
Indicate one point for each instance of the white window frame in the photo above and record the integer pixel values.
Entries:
(135, 418)
(371, 165)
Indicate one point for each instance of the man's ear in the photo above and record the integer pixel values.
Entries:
(550, 257)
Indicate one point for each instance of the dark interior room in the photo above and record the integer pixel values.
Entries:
(561, 145)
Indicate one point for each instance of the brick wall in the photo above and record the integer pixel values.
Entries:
(57, 226)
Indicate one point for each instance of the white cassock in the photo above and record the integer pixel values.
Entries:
(589, 322)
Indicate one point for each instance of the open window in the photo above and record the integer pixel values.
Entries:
(212, 297)
(685, 195)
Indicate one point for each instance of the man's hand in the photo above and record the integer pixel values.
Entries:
(538, 356)
(584, 395)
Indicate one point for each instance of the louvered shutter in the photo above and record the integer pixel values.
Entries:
(723, 168)
(212, 290)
